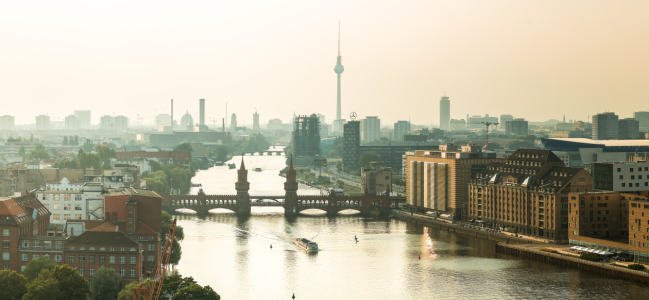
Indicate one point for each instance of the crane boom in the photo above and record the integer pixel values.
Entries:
(153, 293)
(487, 124)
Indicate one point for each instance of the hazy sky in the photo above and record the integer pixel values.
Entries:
(532, 59)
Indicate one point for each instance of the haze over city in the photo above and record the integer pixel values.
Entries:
(533, 59)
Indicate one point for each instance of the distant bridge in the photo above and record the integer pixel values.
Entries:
(265, 152)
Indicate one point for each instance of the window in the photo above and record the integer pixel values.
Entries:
(57, 257)
(5, 244)
(77, 207)
(24, 257)
(57, 197)
(91, 271)
(132, 260)
(71, 248)
(102, 249)
(56, 217)
(47, 244)
(122, 249)
(82, 271)
(623, 184)
(56, 206)
(130, 220)
(632, 177)
(111, 259)
(67, 206)
(122, 272)
(91, 259)
(5, 255)
(102, 259)
(150, 258)
(66, 216)
(67, 197)
(112, 248)
(621, 176)
(82, 259)
(77, 197)
(619, 169)
(122, 260)
(77, 216)
(5, 232)
(70, 258)
(35, 256)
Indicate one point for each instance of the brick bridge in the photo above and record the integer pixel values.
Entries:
(242, 202)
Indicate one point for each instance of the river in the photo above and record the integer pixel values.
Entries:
(234, 255)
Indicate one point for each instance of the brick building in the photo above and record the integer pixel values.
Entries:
(528, 193)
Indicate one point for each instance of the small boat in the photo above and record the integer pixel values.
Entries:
(218, 163)
(232, 166)
(306, 245)
(257, 169)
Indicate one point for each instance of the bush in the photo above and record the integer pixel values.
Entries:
(590, 256)
(636, 267)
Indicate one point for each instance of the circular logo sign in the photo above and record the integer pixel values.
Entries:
(352, 116)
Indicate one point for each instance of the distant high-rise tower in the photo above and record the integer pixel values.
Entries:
(255, 121)
(201, 117)
(445, 113)
(84, 118)
(606, 126)
(233, 121)
(339, 70)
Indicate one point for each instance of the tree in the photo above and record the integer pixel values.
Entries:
(367, 158)
(106, 284)
(43, 288)
(337, 151)
(195, 291)
(127, 292)
(21, 151)
(60, 283)
(184, 147)
(221, 152)
(35, 266)
(12, 285)
(65, 141)
(179, 235)
(173, 284)
(384, 139)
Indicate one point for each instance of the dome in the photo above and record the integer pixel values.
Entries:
(339, 69)
(187, 120)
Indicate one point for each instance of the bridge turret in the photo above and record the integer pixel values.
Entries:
(242, 186)
(290, 186)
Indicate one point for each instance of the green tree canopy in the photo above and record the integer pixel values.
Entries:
(179, 235)
(127, 292)
(173, 284)
(65, 141)
(184, 147)
(195, 291)
(39, 153)
(35, 266)
(367, 158)
(221, 152)
(12, 285)
(21, 151)
(337, 151)
(106, 284)
(60, 283)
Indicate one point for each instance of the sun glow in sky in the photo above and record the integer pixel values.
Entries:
(532, 59)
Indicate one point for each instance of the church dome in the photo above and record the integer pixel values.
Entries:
(187, 120)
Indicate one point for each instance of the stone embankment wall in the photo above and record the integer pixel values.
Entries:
(573, 262)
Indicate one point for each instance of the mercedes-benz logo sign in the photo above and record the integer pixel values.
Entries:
(352, 116)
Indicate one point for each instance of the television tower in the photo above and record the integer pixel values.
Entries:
(339, 70)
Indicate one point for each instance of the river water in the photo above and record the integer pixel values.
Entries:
(234, 255)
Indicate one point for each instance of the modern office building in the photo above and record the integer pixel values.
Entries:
(72, 122)
(527, 193)
(504, 119)
(613, 222)
(437, 180)
(591, 151)
(351, 144)
(326, 145)
(233, 121)
(629, 129)
(477, 121)
(643, 119)
(201, 115)
(458, 125)
(444, 113)
(306, 136)
(370, 129)
(120, 123)
(517, 127)
(621, 176)
(400, 129)
(43, 122)
(606, 126)
(7, 122)
(84, 118)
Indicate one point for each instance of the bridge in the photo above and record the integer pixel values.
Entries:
(241, 202)
(265, 152)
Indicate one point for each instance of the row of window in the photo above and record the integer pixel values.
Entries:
(56, 206)
(57, 197)
(37, 244)
(91, 272)
(57, 217)
(637, 184)
(102, 249)
(631, 169)
(82, 258)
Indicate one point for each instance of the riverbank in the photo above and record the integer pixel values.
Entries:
(614, 270)
(449, 226)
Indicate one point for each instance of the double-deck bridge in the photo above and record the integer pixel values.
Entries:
(241, 202)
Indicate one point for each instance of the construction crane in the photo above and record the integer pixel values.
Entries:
(153, 293)
(486, 124)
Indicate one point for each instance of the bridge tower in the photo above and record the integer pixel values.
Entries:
(242, 186)
(290, 186)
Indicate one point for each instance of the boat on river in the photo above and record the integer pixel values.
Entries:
(232, 166)
(257, 169)
(306, 245)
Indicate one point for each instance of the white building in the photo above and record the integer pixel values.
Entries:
(84, 204)
(621, 176)
(371, 129)
(64, 185)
